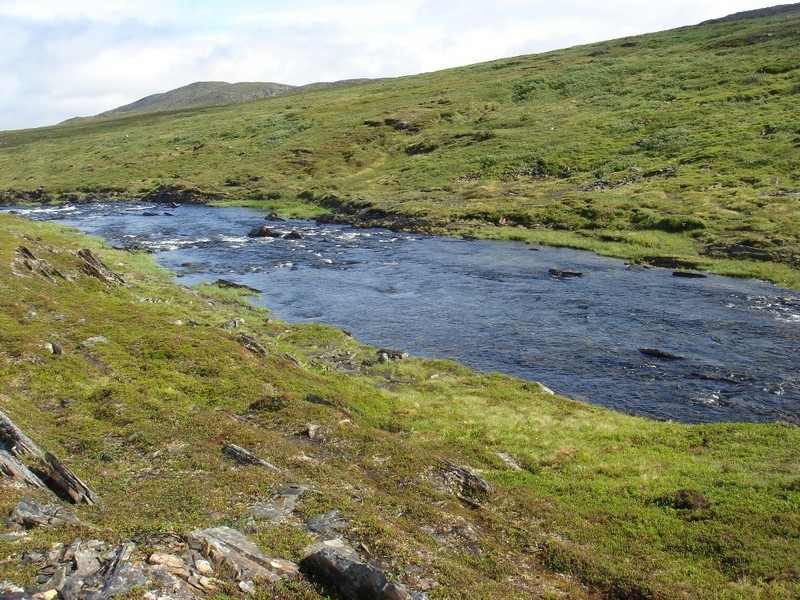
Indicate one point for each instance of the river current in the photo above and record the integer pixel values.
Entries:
(495, 306)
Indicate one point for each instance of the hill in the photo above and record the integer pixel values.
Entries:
(681, 144)
(201, 93)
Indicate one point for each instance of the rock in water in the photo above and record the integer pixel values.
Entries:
(662, 354)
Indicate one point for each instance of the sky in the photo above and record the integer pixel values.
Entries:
(66, 58)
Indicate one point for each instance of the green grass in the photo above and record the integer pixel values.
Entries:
(670, 143)
(142, 419)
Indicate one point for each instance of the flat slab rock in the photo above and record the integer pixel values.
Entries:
(239, 558)
(338, 564)
(29, 514)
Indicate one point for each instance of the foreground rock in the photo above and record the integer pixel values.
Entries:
(22, 460)
(29, 514)
(337, 564)
(240, 559)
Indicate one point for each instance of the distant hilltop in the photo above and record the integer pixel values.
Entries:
(214, 93)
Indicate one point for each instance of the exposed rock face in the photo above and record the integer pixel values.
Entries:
(94, 267)
(232, 553)
(280, 508)
(38, 266)
(15, 447)
(466, 485)
(29, 513)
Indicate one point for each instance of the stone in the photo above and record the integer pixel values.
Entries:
(203, 567)
(662, 354)
(468, 487)
(273, 217)
(93, 341)
(122, 575)
(29, 513)
(283, 504)
(252, 344)
(233, 554)
(314, 399)
(94, 267)
(232, 323)
(313, 432)
(226, 283)
(689, 274)
(327, 524)
(509, 460)
(293, 235)
(392, 354)
(336, 563)
(245, 457)
(65, 481)
(263, 231)
(561, 274)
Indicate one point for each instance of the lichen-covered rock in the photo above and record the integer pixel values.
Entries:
(240, 559)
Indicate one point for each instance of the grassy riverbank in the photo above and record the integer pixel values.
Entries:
(600, 504)
(681, 143)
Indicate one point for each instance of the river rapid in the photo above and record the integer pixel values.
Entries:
(495, 306)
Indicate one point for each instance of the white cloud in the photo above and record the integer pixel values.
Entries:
(63, 58)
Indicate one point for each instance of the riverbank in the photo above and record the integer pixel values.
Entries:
(582, 501)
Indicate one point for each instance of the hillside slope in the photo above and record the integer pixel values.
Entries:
(452, 484)
(682, 144)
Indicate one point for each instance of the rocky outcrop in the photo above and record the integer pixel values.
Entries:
(37, 265)
(94, 267)
(29, 514)
(22, 460)
(240, 559)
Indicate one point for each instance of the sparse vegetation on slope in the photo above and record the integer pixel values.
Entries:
(682, 143)
(585, 502)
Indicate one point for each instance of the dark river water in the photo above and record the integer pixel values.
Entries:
(495, 307)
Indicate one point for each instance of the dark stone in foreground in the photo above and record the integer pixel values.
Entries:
(337, 564)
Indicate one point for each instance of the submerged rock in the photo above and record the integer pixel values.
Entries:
(662, 354)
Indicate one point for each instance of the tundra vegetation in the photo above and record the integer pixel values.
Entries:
(682, 143)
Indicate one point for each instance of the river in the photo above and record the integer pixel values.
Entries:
(495, 306)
